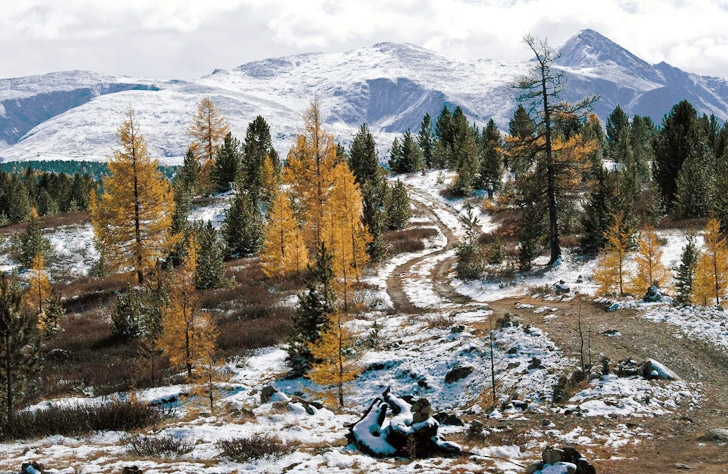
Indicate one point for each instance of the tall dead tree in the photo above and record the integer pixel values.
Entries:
(541, 90)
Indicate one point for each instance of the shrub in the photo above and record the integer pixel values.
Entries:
(80, 419)
(164, 446)
(471, 261)
(255, 446)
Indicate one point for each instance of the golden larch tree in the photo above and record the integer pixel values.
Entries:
(269, 179)
(188, 333)
(610, 274)
(208, 129)
(132, 218)
(39, 288)
(283, 252)
(347, 234)
(337, 361)
(711, 275)
(650, 270)
(208, 374)
(309, 174)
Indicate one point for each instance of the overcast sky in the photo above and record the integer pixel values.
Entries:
(189, 38)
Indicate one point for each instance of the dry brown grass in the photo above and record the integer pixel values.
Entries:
(55, 220)
(408, 240)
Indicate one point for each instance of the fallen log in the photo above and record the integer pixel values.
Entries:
(411, 432)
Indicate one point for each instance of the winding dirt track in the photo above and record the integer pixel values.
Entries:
(675, 436)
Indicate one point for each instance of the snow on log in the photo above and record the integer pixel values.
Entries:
(411, 430)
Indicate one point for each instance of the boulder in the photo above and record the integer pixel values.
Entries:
(566, 460)
(627, 368)
(267, 393)
(475, 431)
(32, 467)
(131, 470)
(535, 364)
(718, 435)
(57, 354)
(653, 295)
(561, 288)
(457, 373)
(551, 455)
(449, 419)
(457, 329)
(508, 320)
(421, 410)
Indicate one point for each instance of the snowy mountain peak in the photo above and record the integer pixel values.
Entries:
(588, 49)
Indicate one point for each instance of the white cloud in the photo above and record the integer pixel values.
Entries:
(188, 38)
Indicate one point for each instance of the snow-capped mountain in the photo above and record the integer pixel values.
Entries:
(74, 115)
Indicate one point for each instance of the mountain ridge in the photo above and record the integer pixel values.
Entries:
(74, 114)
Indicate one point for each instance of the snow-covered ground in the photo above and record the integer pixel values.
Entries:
(695, 322)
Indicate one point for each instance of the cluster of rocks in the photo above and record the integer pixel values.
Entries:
(281, 401)
(508, 320)
(566, 460)
(32, 467)
(458, 372)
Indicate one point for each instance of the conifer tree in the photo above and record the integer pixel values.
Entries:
(315, 306)
(408, 157)
(398, 206)
(20, 359)
(599, 209)
(31, 242)
(132, 218)
(610, 274)
(207, 373)
(242, 229)
(521, 127)
(491, 160)
(650, 270)
(228, 163)
(210, 271)
(711, 275)
(542, 88)
(257, 147)
(188, 176)
(207, 131)
(395, 156)
(672, 146)
(49, 321)
(618, 133)
(374, 195)
(685, 278)
(188, 333)
(347, 235)
(129, 319)
(39, 288)
(468, 166)
(284, 252)
(426, 141)
(18, 201)
(270, 181)
(309, 173)
(695, 182)
(336, 363)
(363, 159)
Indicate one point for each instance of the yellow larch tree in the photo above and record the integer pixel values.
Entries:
(347, 234)
(270, 180)
(39, 288)
(337, 363)
(207, 375)
(188, 333)
(309, 174)
(132, 218)
(284, 252)
(208, 129)
(711, 275)
(650, 270)
(610, 274)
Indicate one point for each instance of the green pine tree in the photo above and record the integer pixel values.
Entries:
(242, 229)
(491, 160)
(30, 242)
(315, 306)
(685, 272)
(374, 197)
(398, 206)
(20, 359)
(187, 178)
(363, 159)
(258, 144)
(426, 141)
(599, 210)
(228, 163)
(695, 182)
(210, 271)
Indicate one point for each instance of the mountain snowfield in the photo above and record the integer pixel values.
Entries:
(74, 115)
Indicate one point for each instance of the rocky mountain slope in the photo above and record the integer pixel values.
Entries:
(73, 115)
